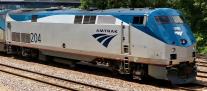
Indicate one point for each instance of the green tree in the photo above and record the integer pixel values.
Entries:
(85, 4)
(195, 12)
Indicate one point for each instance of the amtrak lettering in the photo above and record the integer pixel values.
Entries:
(106, 31)
(104, 38)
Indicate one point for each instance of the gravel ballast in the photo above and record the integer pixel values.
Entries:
(16, 83)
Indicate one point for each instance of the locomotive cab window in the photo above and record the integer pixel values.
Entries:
(177, 19)
(78, 20)
(169, 19)
(162, 19)
(138, 20)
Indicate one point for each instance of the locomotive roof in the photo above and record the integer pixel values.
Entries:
(136, 11)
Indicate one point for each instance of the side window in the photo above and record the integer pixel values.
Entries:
(89, 20)
(34, 18)
(78, 20)
(138, 20)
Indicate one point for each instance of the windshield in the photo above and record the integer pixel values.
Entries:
(169, 19)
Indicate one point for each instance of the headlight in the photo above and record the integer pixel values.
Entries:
(183, 41)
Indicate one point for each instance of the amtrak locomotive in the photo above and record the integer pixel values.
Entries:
(140, 42)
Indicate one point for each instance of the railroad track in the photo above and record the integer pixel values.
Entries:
(191, 87)
(195, 86)
(201, 82)
(63, 83)
(202, 68)
(50, 80)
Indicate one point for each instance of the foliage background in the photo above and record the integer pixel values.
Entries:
(195, 12)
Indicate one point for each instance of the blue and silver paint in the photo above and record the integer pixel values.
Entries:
(175, 34)
(171, 34)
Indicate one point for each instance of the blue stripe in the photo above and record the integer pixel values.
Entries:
(106, 43)
(26, 17)
(98, 35)
(103, 37)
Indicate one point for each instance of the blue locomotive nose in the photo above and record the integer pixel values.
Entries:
(177, 34)
(168, 26)
(172, 30)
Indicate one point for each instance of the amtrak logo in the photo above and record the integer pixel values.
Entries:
(104, 39)
(178, 31)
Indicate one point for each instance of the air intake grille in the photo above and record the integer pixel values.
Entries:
(25, 37)
(16, 36)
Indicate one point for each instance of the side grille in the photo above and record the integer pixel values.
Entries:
(25, 37)
(16, 36)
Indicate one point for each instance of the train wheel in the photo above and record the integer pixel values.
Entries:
(25, 52)
(9, 49)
